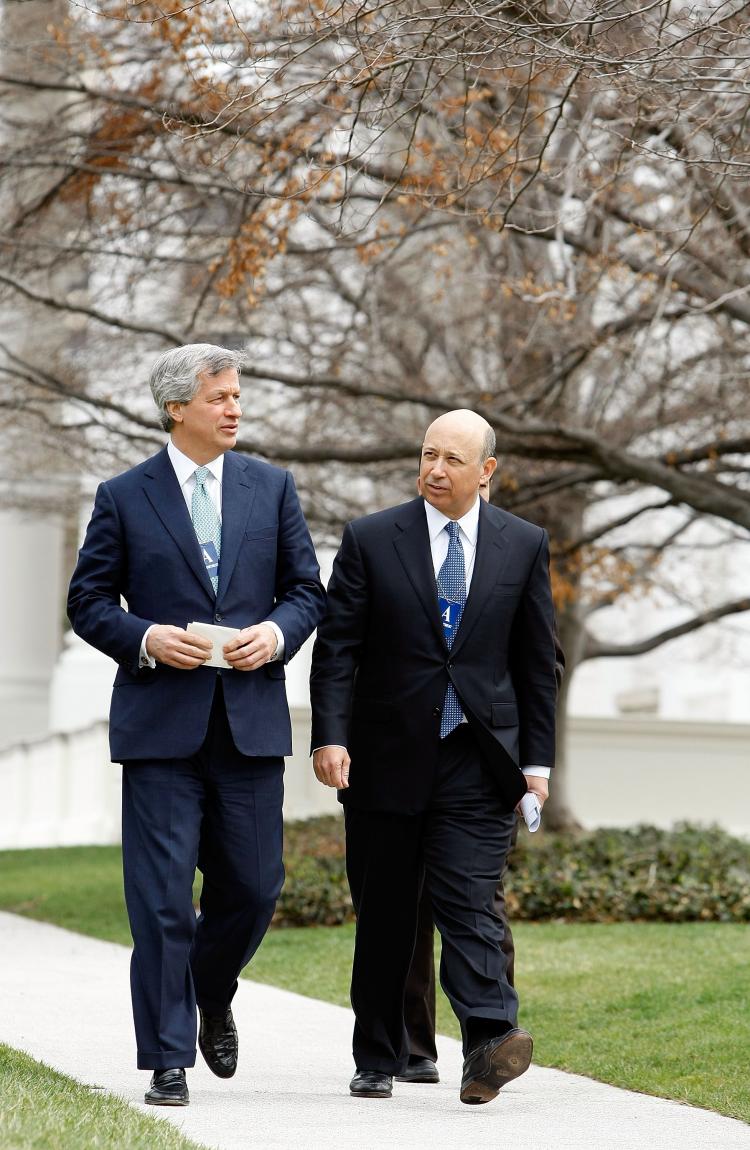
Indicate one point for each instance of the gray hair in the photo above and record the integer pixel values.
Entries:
(174, 377)
(489, 444)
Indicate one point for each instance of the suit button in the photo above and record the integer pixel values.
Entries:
(218, 618)
(449, 666)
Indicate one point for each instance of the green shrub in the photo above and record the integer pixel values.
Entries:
(316, 892)
(689, 874)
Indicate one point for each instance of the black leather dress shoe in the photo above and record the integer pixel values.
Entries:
(419, 1070)
(217, 1039)
(371, 1084)
(491, 1065)
(168, 1088)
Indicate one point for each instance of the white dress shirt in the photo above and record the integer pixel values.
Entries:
(468, 529)
(184, 469)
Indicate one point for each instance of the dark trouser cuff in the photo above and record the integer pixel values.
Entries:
(166, 1059)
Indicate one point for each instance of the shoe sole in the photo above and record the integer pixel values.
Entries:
(508, 1061)
(167, 1101)
(426, 1078)
(370, 1094)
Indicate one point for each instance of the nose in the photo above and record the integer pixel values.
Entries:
(233, 407)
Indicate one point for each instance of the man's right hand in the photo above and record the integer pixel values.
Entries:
(178, 648)
(331, 766)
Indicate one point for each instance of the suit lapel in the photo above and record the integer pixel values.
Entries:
(492, 555)
(413, 548)
(164, 494)
(237, 498)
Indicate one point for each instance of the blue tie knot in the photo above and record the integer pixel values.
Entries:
(201, 474)
(452, 528)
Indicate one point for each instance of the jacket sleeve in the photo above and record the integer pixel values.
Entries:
(536, 664)
(94, 599)
(299, 595)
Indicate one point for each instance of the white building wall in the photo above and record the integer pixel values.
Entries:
(31, 579)
(63, 790)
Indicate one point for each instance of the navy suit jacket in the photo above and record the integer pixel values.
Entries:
(140, 545)
(381, 666)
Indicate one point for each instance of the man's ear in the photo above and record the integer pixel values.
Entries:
(488, 470)
(174, 411)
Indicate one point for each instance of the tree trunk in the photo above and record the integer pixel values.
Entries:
(558, 815)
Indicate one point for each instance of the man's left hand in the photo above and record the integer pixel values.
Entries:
(252, 648)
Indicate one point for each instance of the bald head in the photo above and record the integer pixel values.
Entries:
(467, 424)
(457, 458)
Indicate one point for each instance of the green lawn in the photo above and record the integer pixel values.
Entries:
(43, 1110)
(661, 1008)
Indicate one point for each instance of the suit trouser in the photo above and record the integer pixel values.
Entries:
(419, 999)
(219, 811)
(460, 843)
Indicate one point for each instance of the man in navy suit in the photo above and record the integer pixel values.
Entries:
(197, 533)
(433, 692)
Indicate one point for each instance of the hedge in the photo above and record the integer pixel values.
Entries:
(687, 874)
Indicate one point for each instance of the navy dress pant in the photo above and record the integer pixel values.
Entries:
(457, 847)
(221, 812)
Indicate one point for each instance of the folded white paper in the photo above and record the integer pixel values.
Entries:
(218, 636)
(531, 811)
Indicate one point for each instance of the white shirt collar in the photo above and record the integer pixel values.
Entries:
(184, 466)
(468, 523)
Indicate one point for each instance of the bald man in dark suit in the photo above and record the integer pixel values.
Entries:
(433, 685)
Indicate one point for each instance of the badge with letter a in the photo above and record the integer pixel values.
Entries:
(450, 615)
(210, 558)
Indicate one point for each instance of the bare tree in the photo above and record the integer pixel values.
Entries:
(538, 211)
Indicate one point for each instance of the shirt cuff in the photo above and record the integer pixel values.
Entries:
(278, 654)
(144, 659)
(540, 772)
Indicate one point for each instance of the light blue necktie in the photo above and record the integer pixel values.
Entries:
(206, 519)
(452, 586)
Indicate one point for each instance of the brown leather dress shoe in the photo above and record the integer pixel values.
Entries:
(168, 1088)
(491, 1065)
(419, 1070)
(217, 1039)
(371, 1084)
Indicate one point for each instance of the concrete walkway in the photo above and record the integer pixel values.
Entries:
(65, 1000)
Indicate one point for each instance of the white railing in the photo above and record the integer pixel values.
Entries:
(63, 790)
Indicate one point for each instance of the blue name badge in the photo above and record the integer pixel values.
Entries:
(210, 558)
(450, 613)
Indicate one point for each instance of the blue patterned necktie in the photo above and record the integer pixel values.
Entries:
(452, 586)
(206, 521)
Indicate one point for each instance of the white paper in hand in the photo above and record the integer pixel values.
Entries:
(218, 636)
(531, 811)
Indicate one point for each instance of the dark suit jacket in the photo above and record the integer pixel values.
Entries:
(140, 544)
(381, 666)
